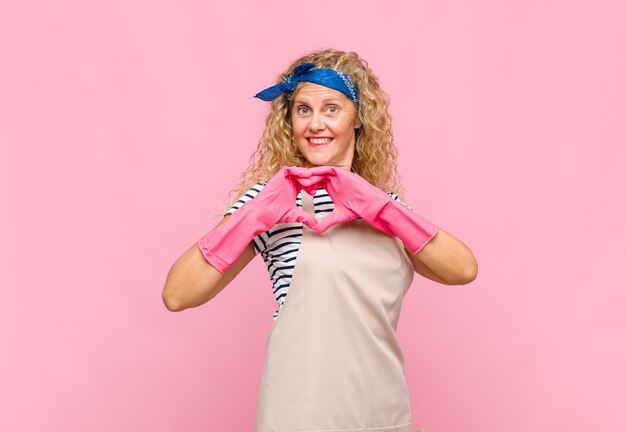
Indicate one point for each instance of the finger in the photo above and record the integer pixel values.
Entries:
(307, 181)
(299, 215)
(314, 175)
(294, 171)
(311, 182)
(323, 170)
(311, 190)
(335, 217)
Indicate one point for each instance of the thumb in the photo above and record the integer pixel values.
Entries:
(339, 215)
(297, 214)
(311, 185)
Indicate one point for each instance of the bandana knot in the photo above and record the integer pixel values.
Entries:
(307, 72)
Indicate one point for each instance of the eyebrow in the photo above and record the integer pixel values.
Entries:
(325, 100)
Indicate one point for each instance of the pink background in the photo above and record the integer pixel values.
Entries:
(123, 125)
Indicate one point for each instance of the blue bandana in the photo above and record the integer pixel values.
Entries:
(305, 72)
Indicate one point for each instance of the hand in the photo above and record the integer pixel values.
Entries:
(275, 203)
(311, 179)
(354, 196)
(338, 182)
(305, 178)
(279, 200)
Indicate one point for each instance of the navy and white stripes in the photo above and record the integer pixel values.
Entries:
(279, 246)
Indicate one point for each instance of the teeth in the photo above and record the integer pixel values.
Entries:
(320, 140)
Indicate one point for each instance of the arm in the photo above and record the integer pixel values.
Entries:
(214, 261)
(192, 281)
(434, 253)
(446, 260)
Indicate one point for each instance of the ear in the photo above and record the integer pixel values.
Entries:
(357, 122)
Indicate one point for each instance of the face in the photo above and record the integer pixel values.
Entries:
(324, 122)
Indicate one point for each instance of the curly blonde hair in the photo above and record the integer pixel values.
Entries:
(375, 156)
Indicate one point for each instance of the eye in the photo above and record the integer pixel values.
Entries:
(333, 109)
(302, 109)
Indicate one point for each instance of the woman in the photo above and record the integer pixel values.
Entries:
(341, 253)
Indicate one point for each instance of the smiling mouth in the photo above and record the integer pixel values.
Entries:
(319, 141)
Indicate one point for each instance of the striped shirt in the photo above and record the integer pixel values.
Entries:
(279, 246)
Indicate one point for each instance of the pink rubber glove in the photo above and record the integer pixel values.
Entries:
(304, 176)
(275, 203)
(352, 193)
(311, 181)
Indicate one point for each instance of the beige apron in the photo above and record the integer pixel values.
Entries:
(333, 360)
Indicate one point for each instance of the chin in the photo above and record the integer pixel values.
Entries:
(319, 163)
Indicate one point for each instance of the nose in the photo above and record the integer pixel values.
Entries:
(317, 122)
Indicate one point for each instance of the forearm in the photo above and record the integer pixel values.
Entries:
(192, 281)
(446, 257)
